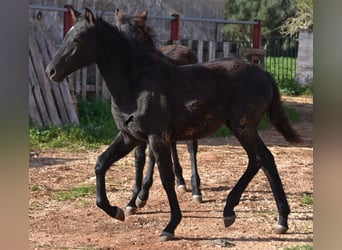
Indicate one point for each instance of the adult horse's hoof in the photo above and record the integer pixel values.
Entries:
(165, 236)
(181, 188)
(229, 220)
(280, 229)
(130, 210)
(197, 198)
(120, 215)
(140, 203)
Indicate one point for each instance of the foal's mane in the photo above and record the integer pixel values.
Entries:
(135, 48)
(108, 31)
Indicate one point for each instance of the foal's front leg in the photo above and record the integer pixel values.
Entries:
(121, 146)
(160, 145)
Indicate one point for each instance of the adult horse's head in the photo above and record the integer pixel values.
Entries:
(77, 50)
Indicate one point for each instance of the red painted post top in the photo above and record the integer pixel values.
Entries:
(257, 34)
(68, 19)
(175, 27)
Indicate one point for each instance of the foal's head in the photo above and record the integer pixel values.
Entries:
(135, 26)
(78, 49)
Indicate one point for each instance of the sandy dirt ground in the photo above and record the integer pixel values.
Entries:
(77, 223)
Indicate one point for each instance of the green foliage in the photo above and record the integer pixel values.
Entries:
(303, 19)
(96, 127)
(307, 199)
(271, 12)
(284, 70)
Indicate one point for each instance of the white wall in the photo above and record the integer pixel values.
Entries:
(304, 68)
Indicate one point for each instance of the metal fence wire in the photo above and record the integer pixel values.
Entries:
(281, 55)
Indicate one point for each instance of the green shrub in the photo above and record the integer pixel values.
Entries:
(96, 127)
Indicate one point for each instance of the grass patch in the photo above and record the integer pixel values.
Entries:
(75, 192)
(302, 247)
(307, 199)
(96, 128)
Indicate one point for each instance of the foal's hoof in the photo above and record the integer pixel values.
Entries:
(130, 210)
(140, 203)
(120, 215)
(181, 188)
(229, 220)
(280, 229)
(197, 198)
(165, 236)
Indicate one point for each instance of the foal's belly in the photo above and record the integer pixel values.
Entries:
(195, 123)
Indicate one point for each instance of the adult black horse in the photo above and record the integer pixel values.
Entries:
(156, 102)
(179, 55)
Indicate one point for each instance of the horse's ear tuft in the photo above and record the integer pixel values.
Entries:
(89, 15)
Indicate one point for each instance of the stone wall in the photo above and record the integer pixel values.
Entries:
(49, 24)
(304, 68)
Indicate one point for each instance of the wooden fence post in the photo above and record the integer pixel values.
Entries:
(175, 27)
(68, 20)
(257, 34)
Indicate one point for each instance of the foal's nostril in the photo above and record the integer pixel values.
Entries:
(52, 72)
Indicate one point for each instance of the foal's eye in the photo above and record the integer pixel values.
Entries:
(76, 40)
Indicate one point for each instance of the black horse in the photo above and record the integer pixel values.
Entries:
(179, 55)
(156, 102)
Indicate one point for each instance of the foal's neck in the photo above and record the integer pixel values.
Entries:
(119, 65)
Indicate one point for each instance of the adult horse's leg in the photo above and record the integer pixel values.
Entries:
(160, 145)
(177, 167)
(270, 170)
(121, 146)
(140, 157)
(147, 183)
(195, 179)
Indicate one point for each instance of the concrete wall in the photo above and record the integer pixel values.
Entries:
(50, 24)
(304, 68)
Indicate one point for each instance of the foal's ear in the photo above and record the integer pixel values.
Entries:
(89, 16)
(143, 15)
(117, 16)
(118, 13)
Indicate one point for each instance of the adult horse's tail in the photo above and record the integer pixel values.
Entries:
(278, 116)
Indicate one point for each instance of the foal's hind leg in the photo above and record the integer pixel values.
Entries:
(195, 179)
(270, 170)
(177, 167)
(147, 183)
(140, 157)
(234, 196)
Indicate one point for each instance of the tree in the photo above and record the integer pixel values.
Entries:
(271, 12)
(302, 20)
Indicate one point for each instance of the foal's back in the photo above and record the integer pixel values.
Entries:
(205, 96)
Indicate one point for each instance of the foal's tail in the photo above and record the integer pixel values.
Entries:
(278, 116)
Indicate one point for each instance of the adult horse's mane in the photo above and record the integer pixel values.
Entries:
(144, 33)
